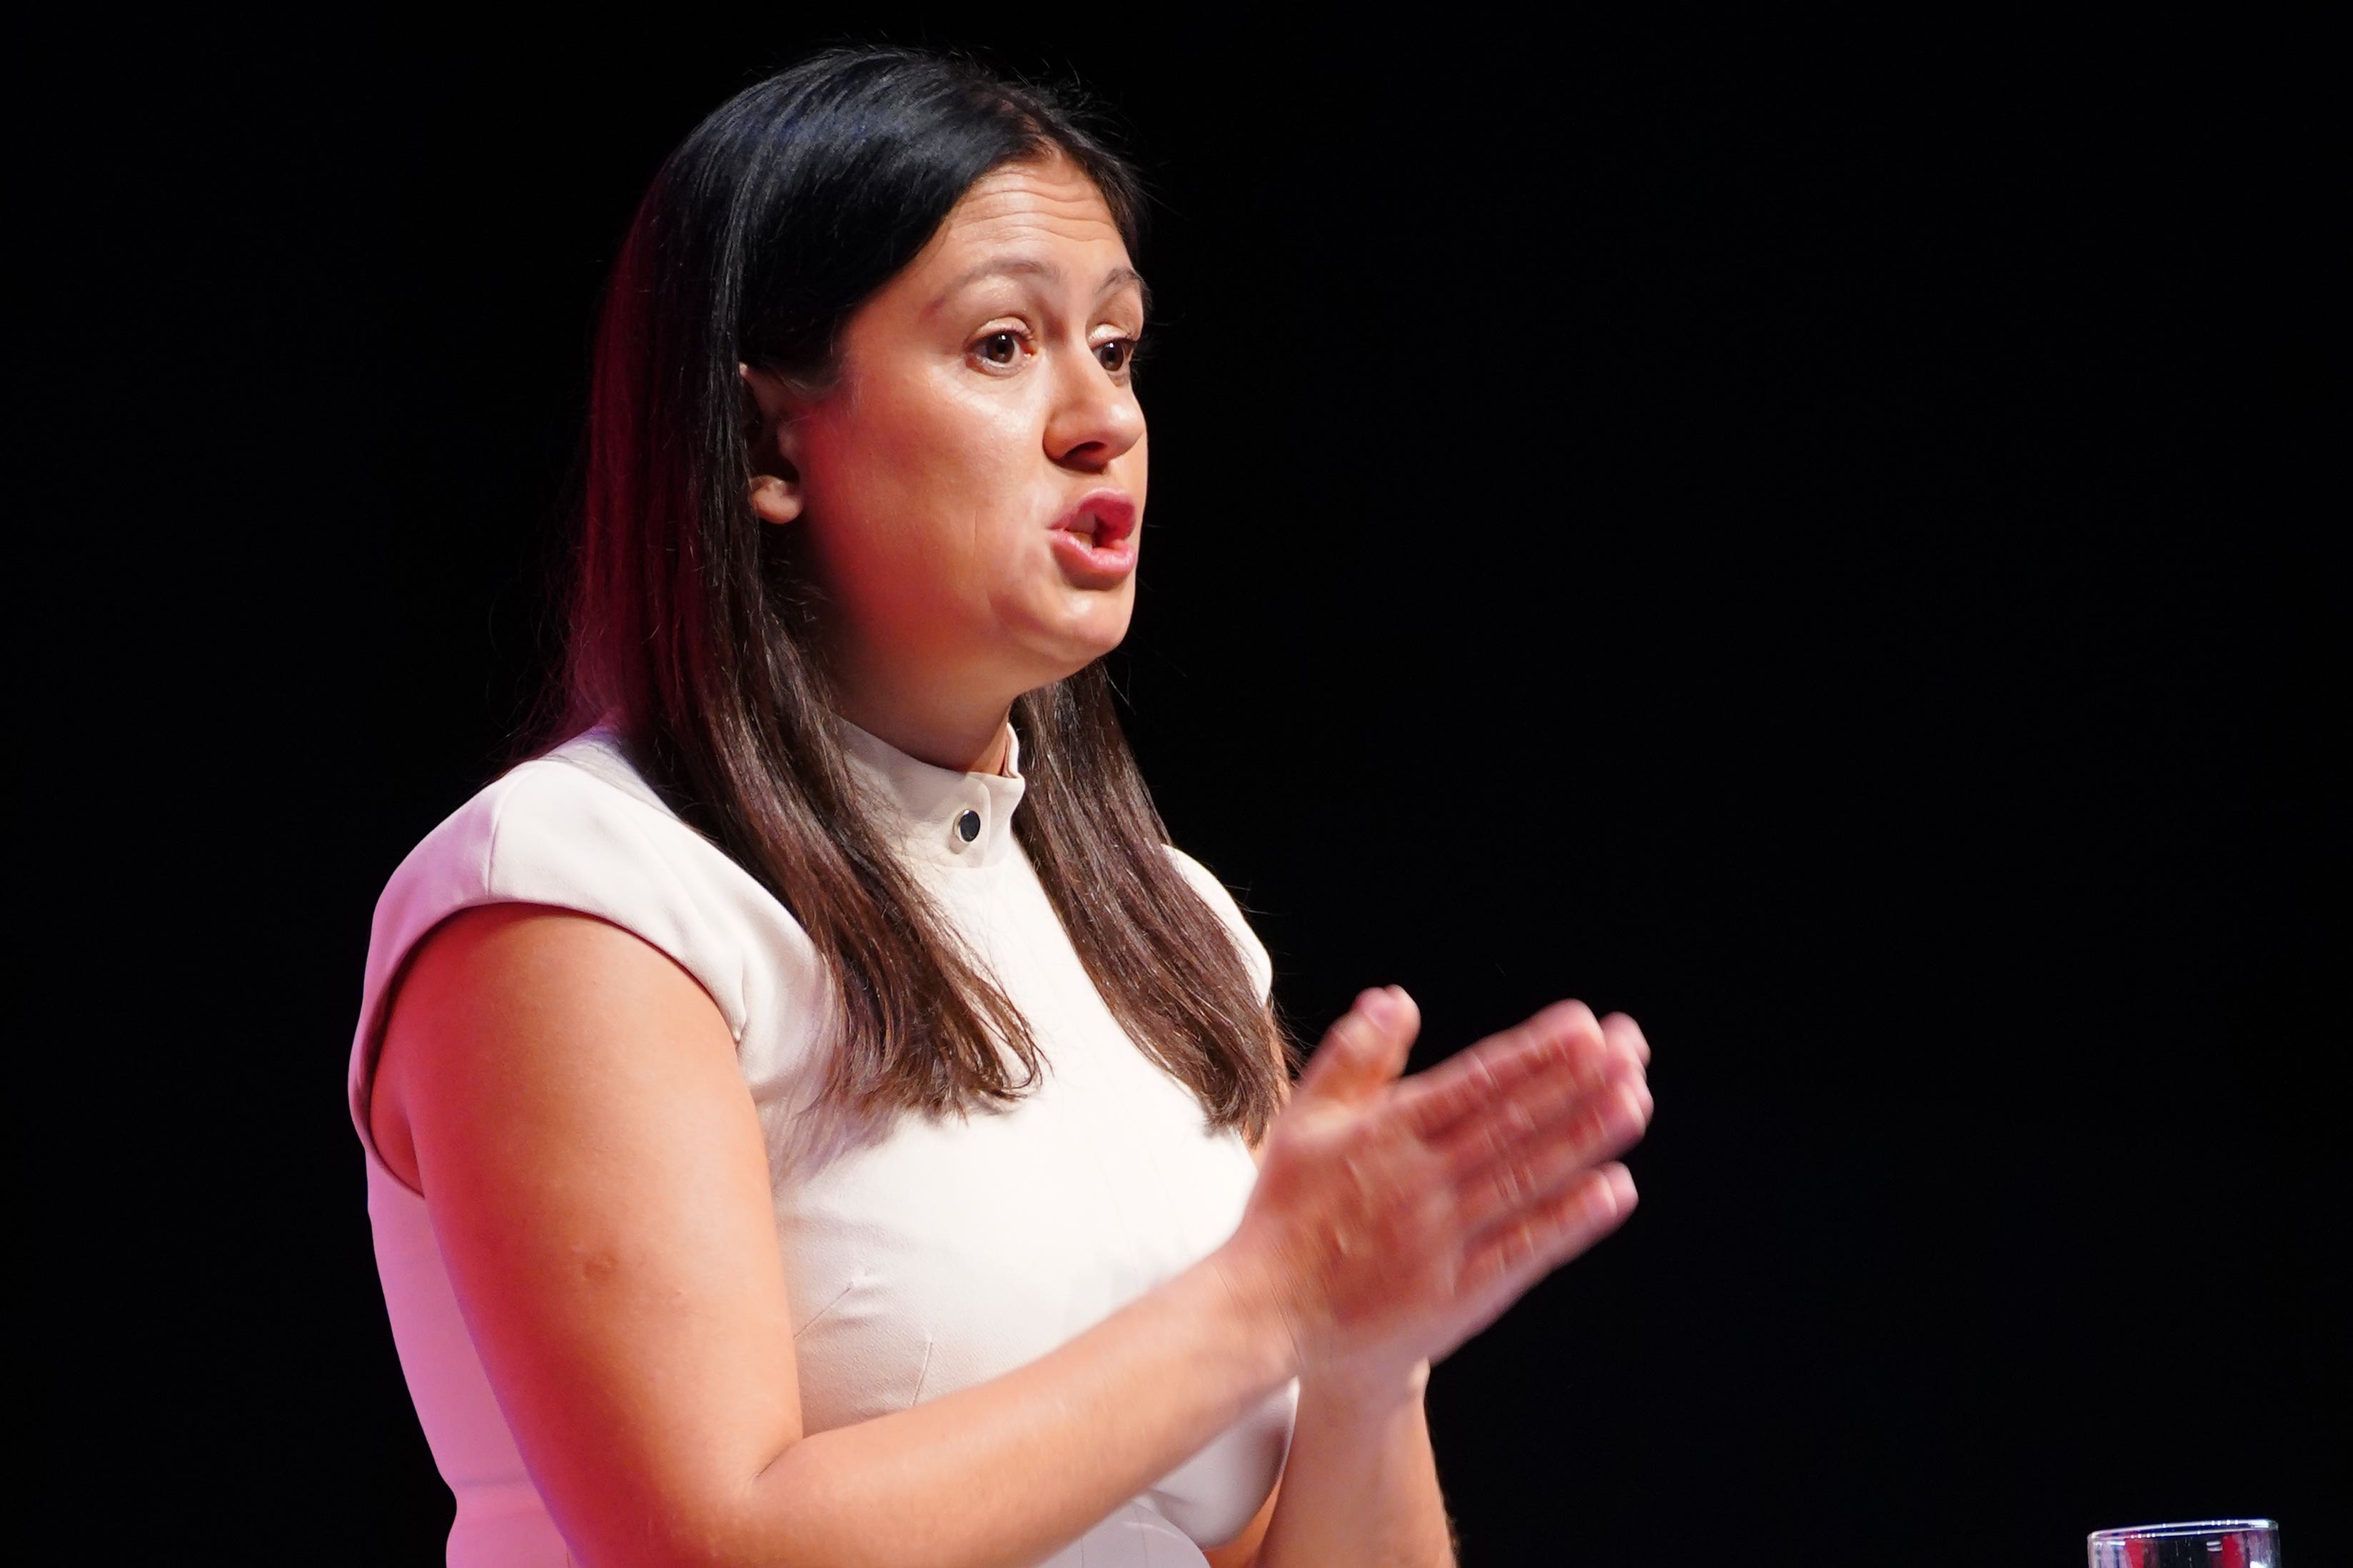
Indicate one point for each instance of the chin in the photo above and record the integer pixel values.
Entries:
(1085, 633)
(1070, 656)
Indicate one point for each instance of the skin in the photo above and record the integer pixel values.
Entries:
(982, 394)
(567, 1099)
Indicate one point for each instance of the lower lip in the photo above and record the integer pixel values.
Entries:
(1093, 567)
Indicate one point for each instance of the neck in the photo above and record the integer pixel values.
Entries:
(964, 737)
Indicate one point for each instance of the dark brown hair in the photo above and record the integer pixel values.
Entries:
(690, 623)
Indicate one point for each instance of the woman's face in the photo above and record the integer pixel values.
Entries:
(984, 422)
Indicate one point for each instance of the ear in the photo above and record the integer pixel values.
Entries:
(772, 439)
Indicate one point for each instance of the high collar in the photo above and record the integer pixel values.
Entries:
(927, 807)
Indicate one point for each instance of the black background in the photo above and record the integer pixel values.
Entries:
(1809, 537)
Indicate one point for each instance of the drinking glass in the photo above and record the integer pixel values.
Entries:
(2208, 1543)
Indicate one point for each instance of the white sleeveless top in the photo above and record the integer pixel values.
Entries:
(920, 1258)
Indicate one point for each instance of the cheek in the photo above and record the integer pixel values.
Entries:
(922, 498)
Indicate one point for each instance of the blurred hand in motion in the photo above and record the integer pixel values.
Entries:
(1393, 1218)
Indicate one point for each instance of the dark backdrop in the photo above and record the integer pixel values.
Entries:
(1802, 536)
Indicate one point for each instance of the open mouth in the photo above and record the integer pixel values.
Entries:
(1102, 520)
(1101, 529)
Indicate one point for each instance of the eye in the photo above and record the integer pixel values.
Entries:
(1002, 349)
(1116, 355)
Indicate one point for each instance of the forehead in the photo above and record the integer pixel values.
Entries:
(1046, 204)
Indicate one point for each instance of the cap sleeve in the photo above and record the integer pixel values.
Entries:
(568, 836)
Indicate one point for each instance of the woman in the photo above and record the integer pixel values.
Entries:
(812, 1115)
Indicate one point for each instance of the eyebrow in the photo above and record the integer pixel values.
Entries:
(1031, 266)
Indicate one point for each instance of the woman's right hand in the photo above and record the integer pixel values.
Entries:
(1394, 1219)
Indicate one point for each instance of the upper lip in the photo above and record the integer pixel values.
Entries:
(1109, 515)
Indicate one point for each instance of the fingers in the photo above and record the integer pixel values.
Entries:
(1366, 1047)
(1516, 1253)
(1546, 1142)
(1490, 1072)
(1433, 1102)
(1540, 1108)
(1571, 1094)
(1626, 1037)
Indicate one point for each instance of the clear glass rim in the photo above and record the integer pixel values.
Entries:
(2171, 1531)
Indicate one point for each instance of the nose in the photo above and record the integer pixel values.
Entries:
(1095, 418)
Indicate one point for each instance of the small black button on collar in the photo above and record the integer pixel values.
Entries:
(969, 827)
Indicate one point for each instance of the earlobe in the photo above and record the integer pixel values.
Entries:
(775, 498)
(775, 473)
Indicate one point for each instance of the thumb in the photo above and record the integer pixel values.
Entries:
(1365, 1048)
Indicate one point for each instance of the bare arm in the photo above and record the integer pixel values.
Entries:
(1361, 1484)
(569, 1102)
(598, 1184)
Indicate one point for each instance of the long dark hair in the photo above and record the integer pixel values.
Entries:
(691, 624)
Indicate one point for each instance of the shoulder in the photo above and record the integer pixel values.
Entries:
(1205, 882)
(1220, 899)
(579, 829)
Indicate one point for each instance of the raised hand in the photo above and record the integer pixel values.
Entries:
(1393, 1219)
